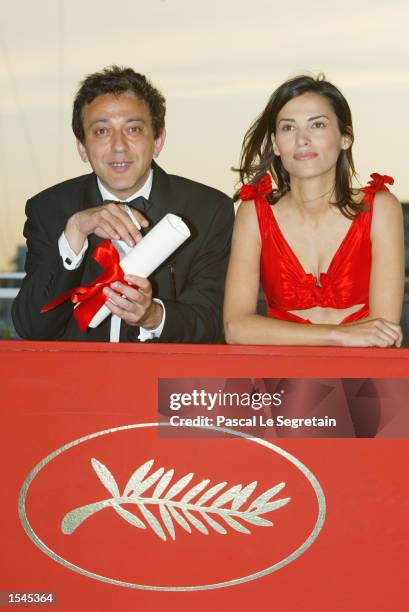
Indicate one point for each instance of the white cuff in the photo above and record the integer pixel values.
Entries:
(70, 258)
(150, 334)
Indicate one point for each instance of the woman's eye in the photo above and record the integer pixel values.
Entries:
(287, 127)
(319, 124)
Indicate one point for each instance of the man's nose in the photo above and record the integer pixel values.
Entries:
(119, 142)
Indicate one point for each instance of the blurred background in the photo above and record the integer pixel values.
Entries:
(216, 63)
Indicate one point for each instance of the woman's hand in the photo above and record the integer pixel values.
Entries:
(376, 332)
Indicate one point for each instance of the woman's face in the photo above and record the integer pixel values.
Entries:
(307, 136)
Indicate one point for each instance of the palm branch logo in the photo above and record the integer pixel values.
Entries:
(201, 506)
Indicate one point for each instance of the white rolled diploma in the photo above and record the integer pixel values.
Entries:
(162, 240)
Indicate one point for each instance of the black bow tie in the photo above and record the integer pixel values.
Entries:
(140, 203)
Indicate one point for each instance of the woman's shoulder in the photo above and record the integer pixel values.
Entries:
(386, 199)
(377, 186)
(246, 224)
(246, 213)
(375, 196)
(386, 210)
(385, 206)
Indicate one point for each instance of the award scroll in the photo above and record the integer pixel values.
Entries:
(154, 248)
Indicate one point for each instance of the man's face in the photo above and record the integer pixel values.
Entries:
(119, 142)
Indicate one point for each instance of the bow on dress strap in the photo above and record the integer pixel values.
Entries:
(252, 192)
(378, 183)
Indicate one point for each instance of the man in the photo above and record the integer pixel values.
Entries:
(119, 124)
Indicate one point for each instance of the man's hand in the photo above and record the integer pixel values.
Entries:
(133, 304)
(108, 221)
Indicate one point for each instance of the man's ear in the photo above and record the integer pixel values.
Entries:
(159, 142)
(82, 151)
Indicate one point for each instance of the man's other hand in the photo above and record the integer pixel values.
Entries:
(133, 303)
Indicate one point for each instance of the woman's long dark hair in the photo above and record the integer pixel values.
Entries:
(257, 154)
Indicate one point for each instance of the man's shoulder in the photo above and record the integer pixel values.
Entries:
(191, 191)
(69, 188)
(190, 186)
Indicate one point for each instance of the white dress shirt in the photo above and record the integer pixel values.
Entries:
(72, 260)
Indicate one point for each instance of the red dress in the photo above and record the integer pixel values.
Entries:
(288, 287)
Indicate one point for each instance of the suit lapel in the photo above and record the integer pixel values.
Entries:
(162, 199)
(91, 197)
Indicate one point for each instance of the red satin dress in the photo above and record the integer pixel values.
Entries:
(288, 287)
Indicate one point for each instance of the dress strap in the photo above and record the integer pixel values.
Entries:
(378, 183)
(259, 190)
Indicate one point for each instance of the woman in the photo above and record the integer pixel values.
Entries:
(329, 255)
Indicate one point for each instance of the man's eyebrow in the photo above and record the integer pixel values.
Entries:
(129, 120)
(98, 121)
(140, 119)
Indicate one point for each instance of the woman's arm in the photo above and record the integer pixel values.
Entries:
(244, 326)
(387, 281)
(388, 263)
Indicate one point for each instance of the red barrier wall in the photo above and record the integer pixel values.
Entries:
(55, 393)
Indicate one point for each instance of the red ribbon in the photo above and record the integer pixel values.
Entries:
(378, 183)
(90, 298)
(262, 188)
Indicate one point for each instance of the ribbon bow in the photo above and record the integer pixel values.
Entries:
(252, 192)
(378, 183)
(90, 297)
(305, 292)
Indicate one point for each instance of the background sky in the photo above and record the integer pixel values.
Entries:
(216, 62)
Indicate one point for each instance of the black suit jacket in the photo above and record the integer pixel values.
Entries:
(190, 284)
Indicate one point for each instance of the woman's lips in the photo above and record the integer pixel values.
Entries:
(305, 156)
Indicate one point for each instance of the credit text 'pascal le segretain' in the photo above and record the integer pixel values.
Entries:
(255, 420)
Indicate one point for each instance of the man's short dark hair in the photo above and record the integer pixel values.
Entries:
(118, 80)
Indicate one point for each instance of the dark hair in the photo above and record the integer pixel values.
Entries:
(117, 80)
(257, 154)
